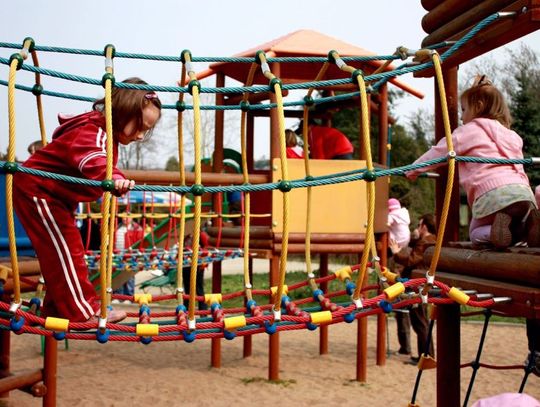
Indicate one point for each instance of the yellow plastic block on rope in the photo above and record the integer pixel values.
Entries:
(234, 322)
(344, 273)
(275, 289)
(143, 298)
(147, 330)
(458, 296)
(56, 324)
(210, 299)
(394, 290)
(321, 317)
(391, 277)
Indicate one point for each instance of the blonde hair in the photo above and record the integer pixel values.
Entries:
(290, 138)
(485, 100)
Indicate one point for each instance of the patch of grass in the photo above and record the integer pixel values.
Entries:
(283, 383)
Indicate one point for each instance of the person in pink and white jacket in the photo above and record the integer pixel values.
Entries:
(504, 209)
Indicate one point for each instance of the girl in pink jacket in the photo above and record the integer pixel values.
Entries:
(504, 210)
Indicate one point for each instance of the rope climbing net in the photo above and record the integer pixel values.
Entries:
(185, 323)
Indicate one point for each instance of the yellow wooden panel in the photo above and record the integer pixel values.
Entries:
(337, 208)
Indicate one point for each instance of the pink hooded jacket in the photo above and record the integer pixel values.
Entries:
(481, 138)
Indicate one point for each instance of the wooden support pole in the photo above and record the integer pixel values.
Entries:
(248, 340)
(361, 344)
(382, 317)
(383, 155)
(215, 353)
(323, 334)
(448, 355)
(5, 348)
(21, 380)
(49, 371)
(273, 340)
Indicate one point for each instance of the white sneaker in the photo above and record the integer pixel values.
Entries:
(156, 272)
(115, 301)
(126, 302)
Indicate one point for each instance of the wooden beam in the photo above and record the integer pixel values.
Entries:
(158, 177)
(444, 12)
(520, 269)
(452, 13)
(497, 34)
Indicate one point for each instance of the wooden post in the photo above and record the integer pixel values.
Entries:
(448, 355)
(383, 154)
(381, 318)
(448, 339)
(49, 371)
(215, 353)
(248, 340)
(361, 344)
(273, 341)
(323, 335)
(5, 347)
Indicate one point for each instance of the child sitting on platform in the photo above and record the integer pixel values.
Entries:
(504, 210)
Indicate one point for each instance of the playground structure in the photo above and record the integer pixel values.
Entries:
(279, 239)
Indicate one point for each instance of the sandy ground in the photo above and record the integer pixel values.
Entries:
(179, 374)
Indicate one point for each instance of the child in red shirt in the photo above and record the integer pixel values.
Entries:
(46, 207)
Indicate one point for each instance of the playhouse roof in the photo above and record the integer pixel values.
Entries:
(303, 43)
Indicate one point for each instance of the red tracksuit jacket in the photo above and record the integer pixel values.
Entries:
(45, 208)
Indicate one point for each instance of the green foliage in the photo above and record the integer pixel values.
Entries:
(525, 109)
(172, 164)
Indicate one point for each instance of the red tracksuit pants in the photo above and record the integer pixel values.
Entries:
(50, 225)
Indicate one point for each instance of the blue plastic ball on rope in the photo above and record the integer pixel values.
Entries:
(189, 336)
(180, 308)
(311, 327)
(59, 336)
(16, 324)
(103, 336)
(249, 305)
(350, 287)
(270, 328)
(229, 335)
(385, 306)
(316, 294)
(348, 318)
(146, 340)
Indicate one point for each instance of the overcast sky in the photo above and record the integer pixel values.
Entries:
(212, 28)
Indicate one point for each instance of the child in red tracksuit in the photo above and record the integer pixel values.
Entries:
(46, 207)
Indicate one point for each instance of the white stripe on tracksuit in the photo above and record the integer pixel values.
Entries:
(63, 253)
(101, 143)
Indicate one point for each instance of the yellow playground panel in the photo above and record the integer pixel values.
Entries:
(331, 204)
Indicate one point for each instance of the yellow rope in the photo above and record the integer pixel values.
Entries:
(9, 184)
(247, 194)
(284, 177)
(42, 131)
(112, 226)
(105, 248)
(369, 241)
(182, 171)
(197, 198)
(451, 168)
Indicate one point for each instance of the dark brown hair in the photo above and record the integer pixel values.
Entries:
(428, 220)
(128, 104)
(485, 100)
